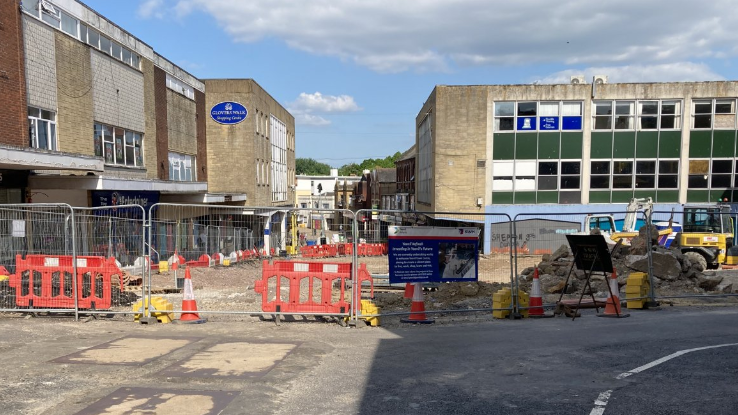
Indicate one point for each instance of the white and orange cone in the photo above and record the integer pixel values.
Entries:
(189, 305)
(409, 290)
(612, 306)
(417, 309)
(535, 307)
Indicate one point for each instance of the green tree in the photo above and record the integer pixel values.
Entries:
(369, 164)
(310, 167)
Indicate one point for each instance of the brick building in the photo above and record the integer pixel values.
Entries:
(92, 114)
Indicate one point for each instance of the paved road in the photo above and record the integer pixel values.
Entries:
(551, 366)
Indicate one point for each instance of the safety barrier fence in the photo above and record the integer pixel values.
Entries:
(278, 261)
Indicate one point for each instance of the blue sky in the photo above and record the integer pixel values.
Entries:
(355, 73)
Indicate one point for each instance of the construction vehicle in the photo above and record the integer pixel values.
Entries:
(707, 236)
(608, 228)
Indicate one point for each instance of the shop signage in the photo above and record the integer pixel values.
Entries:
(114, 198)
(228, 113)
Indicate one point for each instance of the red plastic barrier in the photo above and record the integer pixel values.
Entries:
(385, 249)
(361, 250)
(46, 281)
(202, 262)
(331, 250)
(294, 273)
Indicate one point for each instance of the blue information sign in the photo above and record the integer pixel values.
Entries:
(572, 123)
(549, 123)
(429, 254)
(526, 123)
(228, 113)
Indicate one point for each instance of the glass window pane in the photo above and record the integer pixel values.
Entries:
(670, 107)
(130, 156)
(52, 137)
(570, 167)
(126, 56)
(504, 108)
(668, 181)
(527, 109)
(547, 182)
(724, 107)
(129, 138)
(546, 168)
(134, 60)
(645, 167)
(649, 107)
(721, 180)
(703, 121)
(83, 32)
(698, 181)
(93, 38)
(603, 108)
(623, 122)
(119, 158)
(699, 166)
(98, 140)
(722, 166)
(117, 51)
(669, 166)
(703, 107)
(600, 167)
(668, 122)
(104, 44)
(570, 182)
(43, 133)
(504, 124)
(622, 182)
(599, 182)
(32, 132)
(624, 108)
(47, 115)
(31, 6)
(69, 24)
(571, 108)
(548, 109)
(645, 181)
(622, 167)
(34, 112)
(52, 20)
(603, 123)
(649, 123)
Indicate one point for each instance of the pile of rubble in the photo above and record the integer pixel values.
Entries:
(673, 272)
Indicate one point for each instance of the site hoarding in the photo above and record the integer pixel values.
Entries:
(432, 254)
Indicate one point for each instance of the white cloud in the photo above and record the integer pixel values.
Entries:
(667, 72)
(306, 105)
(151, 8)
(434, 35)
(318, 102)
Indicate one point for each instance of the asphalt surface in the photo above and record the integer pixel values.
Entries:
(547, 366)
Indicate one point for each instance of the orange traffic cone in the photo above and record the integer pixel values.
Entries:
(612, 306)
(409, 290)
(189, 305)
(535, 307)
(417, 309)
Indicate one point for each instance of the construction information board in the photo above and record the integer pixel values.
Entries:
(431, 254)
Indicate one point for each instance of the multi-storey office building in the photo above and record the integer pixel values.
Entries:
(575, 147)
(93, 114)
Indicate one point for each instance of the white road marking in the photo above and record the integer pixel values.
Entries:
(667, 358)
(601, 401)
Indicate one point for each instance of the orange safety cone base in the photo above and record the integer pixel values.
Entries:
(417, 321)
(610, 308)
(417, 309)
(189, 305)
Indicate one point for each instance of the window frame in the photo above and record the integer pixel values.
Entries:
(714, 114)
(50, 126)
(116, 139)
(538, 119)
(184, 166)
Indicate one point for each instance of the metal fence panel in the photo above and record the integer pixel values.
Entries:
(37, 252)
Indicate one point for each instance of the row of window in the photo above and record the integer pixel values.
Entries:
(532, 116)
(639, 174)
(614, 115)
(178, 86)
(42, 129)
(52, 15)
(118, 146)
(715, 174)
(182, 167)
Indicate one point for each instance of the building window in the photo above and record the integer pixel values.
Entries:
(668, 174)
(182, 167)
(279, 159)
(713, 113)
(180, 87)
(108, 46)
(548, 175)
(699, 173)
(504, 116)
(425, 159)
(42, 129)
(599, 175)
(571, 174)
(118, 146)
(622, 174)
(640, 174)
(602, 116)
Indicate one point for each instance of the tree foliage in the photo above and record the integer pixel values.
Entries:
(368, 164)
(310, 167)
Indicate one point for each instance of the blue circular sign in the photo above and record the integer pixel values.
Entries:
(228, 113)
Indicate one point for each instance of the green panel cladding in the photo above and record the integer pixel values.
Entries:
(670, 144)
(526, 146)
(601, 145)
(623, 196)
(502, 198)
(525, 198)
(548, 197)
(723, 143)
(698, 196)
(700, 144)
(548, 146)
(667, 196)
(624, 146)
(599, 197)
(503, 146)
(571, 145)
(647, 144)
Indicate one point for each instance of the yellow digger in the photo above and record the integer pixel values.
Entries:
(707, 236)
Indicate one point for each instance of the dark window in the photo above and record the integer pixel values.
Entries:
(722, 166)
(703, 108)
(645, 181)
(622, 167)
(668, 167)
(622, 182)
(507, 124)
(599, 182)
(668, 182)
(570, 182)
(547, 168)
(698, 181)
(645, 167)
(547, 182)
(600, 167)
(703, 121)
(720, 180)
(569, 167)
(527, 109)
(668, 122)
